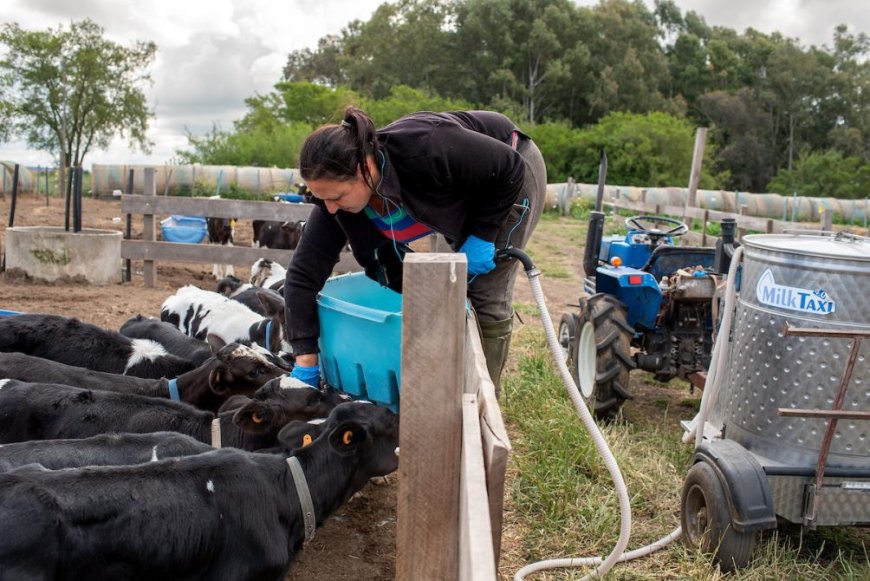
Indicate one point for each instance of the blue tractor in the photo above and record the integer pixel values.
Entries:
(648, 303)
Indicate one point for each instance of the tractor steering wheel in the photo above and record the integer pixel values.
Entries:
(634, 223)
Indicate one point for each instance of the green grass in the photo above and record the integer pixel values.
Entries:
(560, 498)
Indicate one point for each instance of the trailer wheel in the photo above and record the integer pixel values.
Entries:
(706, 520)
(600, 360)
(567, 332)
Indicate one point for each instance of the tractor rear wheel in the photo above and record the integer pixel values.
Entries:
(600, 358)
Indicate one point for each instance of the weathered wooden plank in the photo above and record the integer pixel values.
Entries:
(215, 208)
(433, 361)
(495, 440)
(476, 559)
(149, 227)
(216, 253)
(745, 222)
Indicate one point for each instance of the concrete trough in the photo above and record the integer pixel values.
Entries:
(52, 253)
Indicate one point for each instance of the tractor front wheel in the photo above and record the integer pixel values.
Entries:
(567, 332)
(600, 358)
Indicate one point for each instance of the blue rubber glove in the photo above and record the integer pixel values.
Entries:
(480, 253)
(310, 375)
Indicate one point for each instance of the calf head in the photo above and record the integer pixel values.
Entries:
(291, 232)
(281, 401)
(362, 434)
(260, 271)
(240, 369)
(298, 434)
(228, 285)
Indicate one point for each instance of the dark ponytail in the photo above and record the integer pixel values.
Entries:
(334, 151)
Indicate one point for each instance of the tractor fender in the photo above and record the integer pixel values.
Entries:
(749, 497)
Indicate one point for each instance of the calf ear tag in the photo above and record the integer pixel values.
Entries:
(306, 439)
(257, 418)
(347, 437)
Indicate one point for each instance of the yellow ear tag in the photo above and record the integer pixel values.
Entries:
(257, 418)
(306, 439)
(348, 437)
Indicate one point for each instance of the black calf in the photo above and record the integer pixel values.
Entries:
(38, 411)
(102, 450)
(175, 342)
(73, 342)
(215, 516)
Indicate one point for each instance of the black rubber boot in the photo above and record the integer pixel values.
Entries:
(496, 339)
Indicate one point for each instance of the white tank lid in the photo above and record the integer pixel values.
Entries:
(838, 245)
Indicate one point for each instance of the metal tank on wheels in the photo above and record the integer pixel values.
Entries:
(787, 436)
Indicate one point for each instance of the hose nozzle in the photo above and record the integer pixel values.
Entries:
(511, 252)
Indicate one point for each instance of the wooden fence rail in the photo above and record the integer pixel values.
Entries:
(744, 222)
(151, 251)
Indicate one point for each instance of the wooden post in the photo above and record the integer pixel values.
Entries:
(695, 174)
(149, 228)
(741, 231)
(427, 504)
(128, 233)
(769, 228)
(827, 220)
(704, 229)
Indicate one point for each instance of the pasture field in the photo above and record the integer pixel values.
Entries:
(559, 499)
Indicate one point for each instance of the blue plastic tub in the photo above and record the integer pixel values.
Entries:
(187, 229)
(292, 198)
(361, 338)
(4, 313)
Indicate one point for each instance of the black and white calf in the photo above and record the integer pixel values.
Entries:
(234, 369)
(73, 342)
(45, 411)
(101, 450)
(221, 515)
(279, 400)
(221, 231)
(251, 298)
(268, 274)
(275, 234)
(168, 335)
(198, 312)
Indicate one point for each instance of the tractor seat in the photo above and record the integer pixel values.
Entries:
(666, 260)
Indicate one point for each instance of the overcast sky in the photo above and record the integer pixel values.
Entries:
(212, 54)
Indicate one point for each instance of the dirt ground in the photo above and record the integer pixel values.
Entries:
(358, 542)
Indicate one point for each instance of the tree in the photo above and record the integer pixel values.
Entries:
(643, 150)
(743, 133)
(825, 174)
(67, 91)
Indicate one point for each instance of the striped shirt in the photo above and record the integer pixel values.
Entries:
(397, 225)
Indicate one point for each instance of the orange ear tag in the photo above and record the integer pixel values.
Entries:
(306, 439)
(257, 418)
(348, 437)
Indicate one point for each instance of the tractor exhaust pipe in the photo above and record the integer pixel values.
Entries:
(596, 222)
(725, 246)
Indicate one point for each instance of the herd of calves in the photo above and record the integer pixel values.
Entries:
(174, 448)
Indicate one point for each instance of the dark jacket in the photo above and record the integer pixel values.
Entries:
(454, 172)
